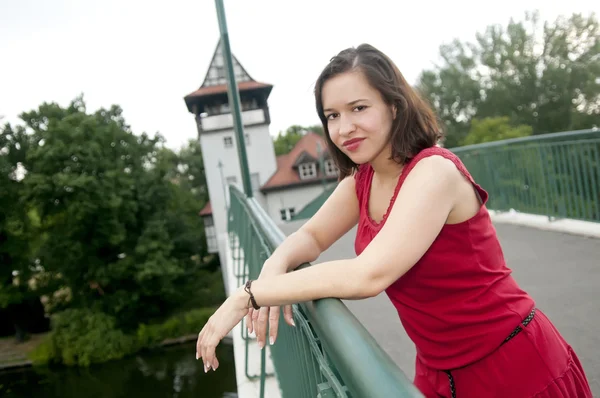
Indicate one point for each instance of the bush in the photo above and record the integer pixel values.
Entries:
(209, 290)
(190, 322)
(82, 337)
(44, 353)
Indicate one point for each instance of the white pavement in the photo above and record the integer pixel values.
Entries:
(565, 225)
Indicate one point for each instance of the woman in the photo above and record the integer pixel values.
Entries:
(424, 237)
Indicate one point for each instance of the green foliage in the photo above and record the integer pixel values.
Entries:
(14, 226)
(494, 129)
(22, 281)
(94, 216)
(208, 290)
(545, 77)
(286, 141)
(82, 337)
(45, 353)
(187, 323)
(190, 170)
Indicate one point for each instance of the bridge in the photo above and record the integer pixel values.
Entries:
(541, 188)
(545, 203)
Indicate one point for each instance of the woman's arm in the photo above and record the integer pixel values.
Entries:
(303, 246)
(319, 233)
(419, 213)
(427, 197)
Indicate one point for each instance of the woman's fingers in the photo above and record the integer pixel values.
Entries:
(209, 355)
(273, 324)
(258, 320)
(249, 321)
(261, 326)
(288, 315)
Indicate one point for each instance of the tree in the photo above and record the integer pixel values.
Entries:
(190, 170)
(546, 77)
(494, 129)
(117, 227)
(18, 291)
(286, 141)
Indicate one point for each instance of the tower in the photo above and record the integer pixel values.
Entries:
(214, 120)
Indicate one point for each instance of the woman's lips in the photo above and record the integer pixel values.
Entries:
(353, 144)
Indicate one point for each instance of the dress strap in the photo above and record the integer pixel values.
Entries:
(361, 181)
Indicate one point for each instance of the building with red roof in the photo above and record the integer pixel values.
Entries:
(284, 184)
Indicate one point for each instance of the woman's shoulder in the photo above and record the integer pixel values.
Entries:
(444, 164)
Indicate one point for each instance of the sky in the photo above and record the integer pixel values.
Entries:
(147, 55)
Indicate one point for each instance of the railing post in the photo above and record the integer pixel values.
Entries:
(543, 166)
(234, 99)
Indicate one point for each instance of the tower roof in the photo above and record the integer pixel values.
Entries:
(215, 81)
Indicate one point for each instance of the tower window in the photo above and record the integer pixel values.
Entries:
(228, 141)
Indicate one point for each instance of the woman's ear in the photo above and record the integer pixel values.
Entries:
(393, 112)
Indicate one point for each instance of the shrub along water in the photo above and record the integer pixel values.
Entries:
(81, 337)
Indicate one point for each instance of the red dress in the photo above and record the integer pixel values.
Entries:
(459, 303)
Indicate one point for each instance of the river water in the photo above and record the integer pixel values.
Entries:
(170, 372)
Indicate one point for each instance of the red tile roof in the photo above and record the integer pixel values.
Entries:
(286, 175)
(222, 89)
(206, 210)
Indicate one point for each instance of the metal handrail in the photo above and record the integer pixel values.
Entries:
(364, 368)
(553, 175)
(563, 136)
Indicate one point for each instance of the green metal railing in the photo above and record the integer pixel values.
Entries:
(329, 353)
(556, 175)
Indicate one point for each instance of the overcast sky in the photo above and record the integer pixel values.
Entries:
(147, 55)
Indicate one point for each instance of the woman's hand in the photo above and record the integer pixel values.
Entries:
(256, 320)
(229, 314)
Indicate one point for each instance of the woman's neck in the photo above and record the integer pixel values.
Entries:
(386, 169)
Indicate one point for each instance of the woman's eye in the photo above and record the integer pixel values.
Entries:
(360, 108)
(331, 116)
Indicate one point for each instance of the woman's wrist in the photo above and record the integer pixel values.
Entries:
(241, 298)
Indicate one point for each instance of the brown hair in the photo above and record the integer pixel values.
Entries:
(415, 126)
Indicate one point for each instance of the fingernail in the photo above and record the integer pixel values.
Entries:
(197, 356)
(293, 323)
(271, 340)
(205, 370)
(261, 345)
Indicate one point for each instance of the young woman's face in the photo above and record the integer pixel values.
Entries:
(358, 119)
